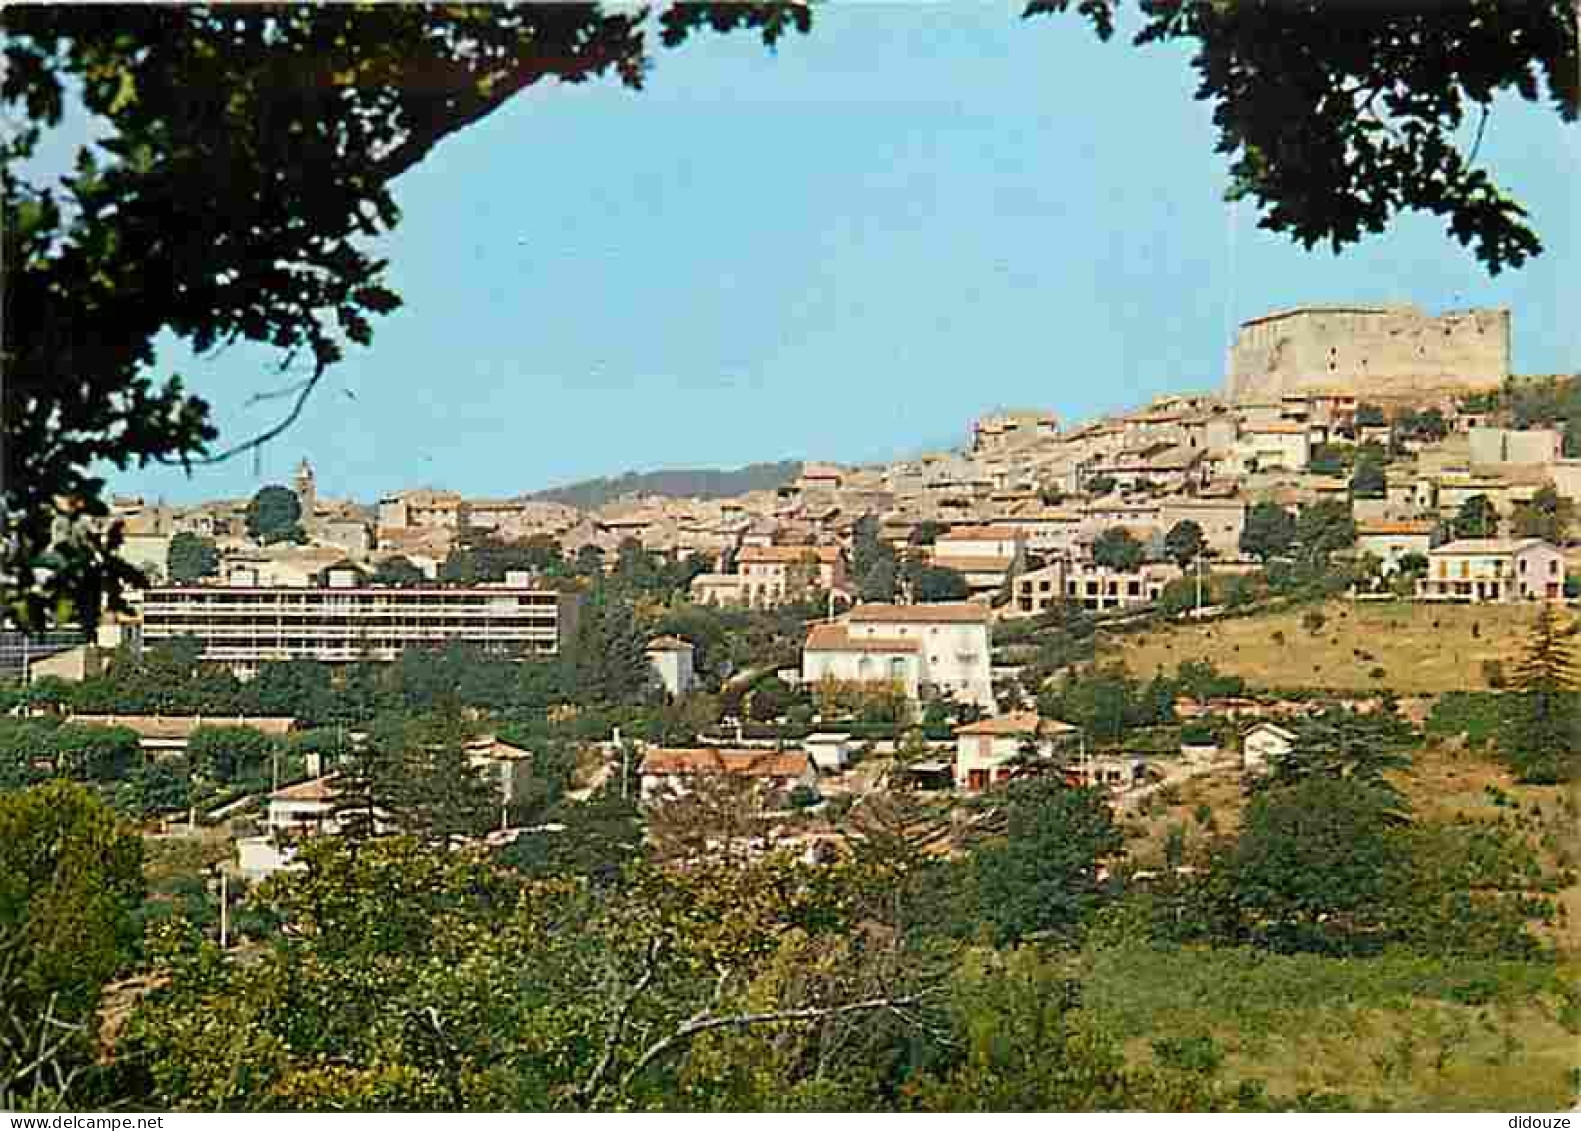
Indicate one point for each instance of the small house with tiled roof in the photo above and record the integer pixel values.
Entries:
(996, 749)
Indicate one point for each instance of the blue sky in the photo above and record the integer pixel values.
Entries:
(842, 250)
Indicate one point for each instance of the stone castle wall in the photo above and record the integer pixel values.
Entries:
(1393, 350)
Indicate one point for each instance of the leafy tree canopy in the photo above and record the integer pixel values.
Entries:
(273, 514)
(1476, 518)
(1117, 548)
(1268, 533)
(192, 558)
(1184, 543)
(1324, 527)
(70, 874)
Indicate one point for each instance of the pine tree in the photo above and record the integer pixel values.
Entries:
(1541, 733)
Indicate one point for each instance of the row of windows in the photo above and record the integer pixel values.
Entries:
(331, 598)
(175, 622)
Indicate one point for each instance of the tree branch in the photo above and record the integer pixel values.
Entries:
(705, 1022)
(617, 1026)
(303, 389)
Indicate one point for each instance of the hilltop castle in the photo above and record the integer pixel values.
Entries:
(1368, 350)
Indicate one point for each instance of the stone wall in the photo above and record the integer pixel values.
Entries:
(1382, 350)
(1498, 447)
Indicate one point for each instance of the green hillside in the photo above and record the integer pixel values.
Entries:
(699, 483)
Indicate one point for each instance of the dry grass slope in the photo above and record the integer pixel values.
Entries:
(1422, 649)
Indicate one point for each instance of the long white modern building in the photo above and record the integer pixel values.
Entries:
(245, 625)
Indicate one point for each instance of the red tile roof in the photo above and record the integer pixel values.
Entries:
(1019, 723)
(835, 638)
(317, 789)
(944, 612)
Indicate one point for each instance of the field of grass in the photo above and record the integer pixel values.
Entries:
(1420, 649)
(1396, 1031)
(1399, 1031)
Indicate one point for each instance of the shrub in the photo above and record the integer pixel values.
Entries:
(1313, 621)
(1475, 714)
(1198, 734)
(1493, 674)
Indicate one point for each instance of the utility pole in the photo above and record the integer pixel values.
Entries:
(225, 909)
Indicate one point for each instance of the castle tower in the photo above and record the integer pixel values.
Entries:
(306, 490)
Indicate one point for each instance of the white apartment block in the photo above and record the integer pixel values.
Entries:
(244, 626)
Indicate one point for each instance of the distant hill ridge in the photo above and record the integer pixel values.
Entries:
(700, 483)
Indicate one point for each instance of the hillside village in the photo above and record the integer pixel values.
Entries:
(1039, 716)
(1351, 550)
(1404, 439)
(1378, 454)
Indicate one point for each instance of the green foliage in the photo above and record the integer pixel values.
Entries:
(274, 514)
(593, 839)
(1024, 1046)
(607, 659)
(1184, 543)
(95, 753)
(1315, 865)
(232, 754)
(1552, 402)
(874, 565)
(1474, 714)
(399, 571)
(412, 776)
(1476, 518)
(1428, 425)
(1198, 733)
(1099, 485)
(934, 583)
(1269, 532)
(1340, 744)
(1547, 516)
(1369, 415)
(1324, 527)
(1107, 702)
(926, 532)
(192, 558)
(298, 689)
(1540, 733)
(159, 786)
(1117, 548)
(407, 978)
(1368, 480)
(70, 875)
(1041, 877)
